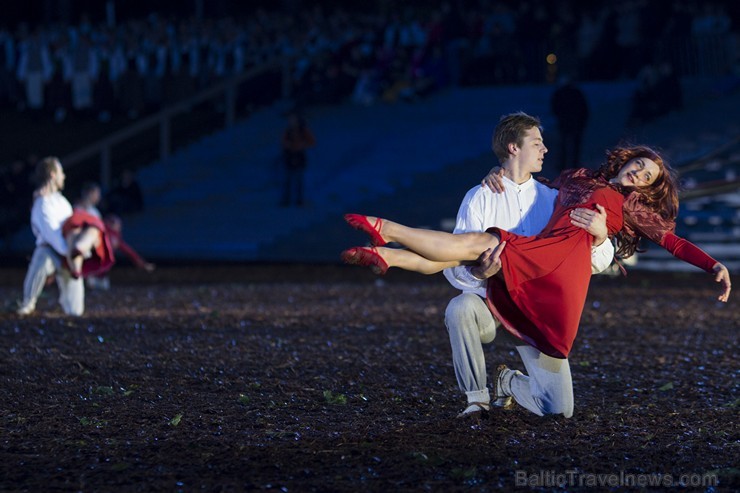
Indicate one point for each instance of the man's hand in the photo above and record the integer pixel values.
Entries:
(489, 262)
(594, 222)
(721, 275)
(494, 180)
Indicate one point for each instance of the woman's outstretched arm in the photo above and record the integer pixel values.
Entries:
(651, 225)
(722, 276)
(688, 252)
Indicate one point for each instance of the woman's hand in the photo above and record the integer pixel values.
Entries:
(722, 275)
(494, 180)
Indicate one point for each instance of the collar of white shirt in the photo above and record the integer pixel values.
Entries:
(519, 187)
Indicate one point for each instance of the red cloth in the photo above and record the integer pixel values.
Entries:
(541, 290)
(102, 258)
(118, 244)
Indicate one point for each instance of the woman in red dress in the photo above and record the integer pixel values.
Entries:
(90, 249)
(541, 289)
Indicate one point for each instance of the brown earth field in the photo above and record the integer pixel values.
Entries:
(326, 378)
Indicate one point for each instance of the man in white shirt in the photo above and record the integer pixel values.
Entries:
(49, 212)
(521, 205)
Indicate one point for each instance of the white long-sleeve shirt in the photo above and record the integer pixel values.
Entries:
(47, 217)
(524, 209)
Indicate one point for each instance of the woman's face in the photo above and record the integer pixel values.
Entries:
(638, 172)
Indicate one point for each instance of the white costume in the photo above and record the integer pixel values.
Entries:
(48, 214)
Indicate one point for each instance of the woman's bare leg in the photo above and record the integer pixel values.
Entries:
(74, 259)
(412, 261)
(88, 239)
(438, 245)
(80, 243)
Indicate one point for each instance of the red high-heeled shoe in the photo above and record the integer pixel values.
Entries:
(358, 221)
(366, 257)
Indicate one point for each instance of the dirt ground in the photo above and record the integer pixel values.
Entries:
(325, 378)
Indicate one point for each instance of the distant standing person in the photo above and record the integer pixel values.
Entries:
(570, 107)
(90, 196)
(297, 137)
(126, 196)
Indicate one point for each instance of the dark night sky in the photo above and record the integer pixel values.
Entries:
(40, 11)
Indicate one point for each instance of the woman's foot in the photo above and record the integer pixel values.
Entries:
(367, 224)
(367, 257)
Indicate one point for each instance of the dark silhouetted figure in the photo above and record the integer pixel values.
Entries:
(570, 107)
(126, 197)
(297, 137)
(658, 93)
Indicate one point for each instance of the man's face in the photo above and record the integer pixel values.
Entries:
(58, 177)
(532, 151)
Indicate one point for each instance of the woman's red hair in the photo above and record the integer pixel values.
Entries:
(661, 196)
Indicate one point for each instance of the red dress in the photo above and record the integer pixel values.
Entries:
(540, 294)
(102, 258)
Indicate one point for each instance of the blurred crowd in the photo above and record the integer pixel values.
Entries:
(133, 67)
(397, 51)
(365, 53)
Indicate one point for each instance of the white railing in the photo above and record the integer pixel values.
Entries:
(226, 89)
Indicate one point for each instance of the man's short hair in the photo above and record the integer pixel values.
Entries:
(511, 128)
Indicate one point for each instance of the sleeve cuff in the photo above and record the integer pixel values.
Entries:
(470, 278)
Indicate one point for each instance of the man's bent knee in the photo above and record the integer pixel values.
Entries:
(461, 306)
(468, 311)
(550, 406)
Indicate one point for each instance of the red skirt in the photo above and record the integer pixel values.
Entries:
(541, 290)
